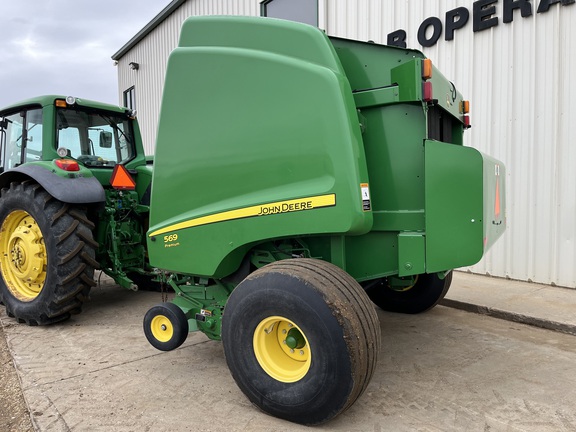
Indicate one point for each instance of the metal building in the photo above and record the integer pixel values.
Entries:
(512, 59)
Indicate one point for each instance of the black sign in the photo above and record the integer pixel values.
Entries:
(484, 16)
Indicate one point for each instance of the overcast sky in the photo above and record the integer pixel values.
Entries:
(64, 46)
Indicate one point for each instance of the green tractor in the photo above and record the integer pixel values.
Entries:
(60, 219)
(297, 180)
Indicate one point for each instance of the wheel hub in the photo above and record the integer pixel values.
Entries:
(162, 328)
(282, 349)
(22, 255)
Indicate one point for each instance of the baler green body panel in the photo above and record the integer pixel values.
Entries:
(258, 139)
(271, 130)
(454, 233)
(458, 235)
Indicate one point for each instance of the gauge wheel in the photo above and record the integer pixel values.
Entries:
(46, 255)
(422, 294)
(166, 326)
(301, 339)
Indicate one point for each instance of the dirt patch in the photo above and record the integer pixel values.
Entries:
(14, 414)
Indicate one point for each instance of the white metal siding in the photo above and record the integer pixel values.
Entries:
(518, 78)
(152, 55)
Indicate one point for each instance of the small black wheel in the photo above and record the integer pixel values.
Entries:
(301, 339)
(423, 294)
(166, 326)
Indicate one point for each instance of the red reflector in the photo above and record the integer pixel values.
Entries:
(67, 164)
(121, 179)
(497, 200)
(466, 120)
(427, 94)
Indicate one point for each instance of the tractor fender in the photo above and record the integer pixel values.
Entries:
(78, 190)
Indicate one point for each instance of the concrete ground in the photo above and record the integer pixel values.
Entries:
(544, 306)
(445, 370)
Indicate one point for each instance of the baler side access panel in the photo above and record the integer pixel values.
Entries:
(413, 120)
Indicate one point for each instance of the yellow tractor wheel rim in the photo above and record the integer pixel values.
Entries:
(23, 257)
(162, 328)
(277, 352)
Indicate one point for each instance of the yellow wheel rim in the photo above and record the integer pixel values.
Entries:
(161, 328)
(277, 352)
(23, 258)
(409, 287)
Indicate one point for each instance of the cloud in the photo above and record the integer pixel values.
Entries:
(29, 49)
(64, 47)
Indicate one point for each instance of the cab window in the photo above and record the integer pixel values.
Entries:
(95, 138)
(20, 138)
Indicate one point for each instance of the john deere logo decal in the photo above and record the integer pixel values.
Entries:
(267, 209)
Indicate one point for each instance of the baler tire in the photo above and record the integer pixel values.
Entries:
(426, 293)
(340, 339)
(166, 326)
(46, 255)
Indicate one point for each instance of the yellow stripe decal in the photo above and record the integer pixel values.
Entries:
(258, 210)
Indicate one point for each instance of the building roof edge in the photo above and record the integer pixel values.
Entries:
(156, 21)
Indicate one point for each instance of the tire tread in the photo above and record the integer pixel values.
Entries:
(351, 307)
(340, 286)
(71, 250)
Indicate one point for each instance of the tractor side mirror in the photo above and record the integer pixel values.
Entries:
(105, 140)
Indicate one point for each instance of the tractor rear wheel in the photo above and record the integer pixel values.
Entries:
(46, 255)
(423, 294)
(301, 339)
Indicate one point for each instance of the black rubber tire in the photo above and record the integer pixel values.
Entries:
(428, 290)
(70, 250)
(171, 316)
(338, 321)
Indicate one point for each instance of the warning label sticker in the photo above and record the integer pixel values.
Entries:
(365, 190)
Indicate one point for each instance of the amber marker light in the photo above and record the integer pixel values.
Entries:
(465, 107)
(426, 69)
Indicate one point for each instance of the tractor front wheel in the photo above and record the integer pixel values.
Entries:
(301, 339)
(420, 295)
(46, 255)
